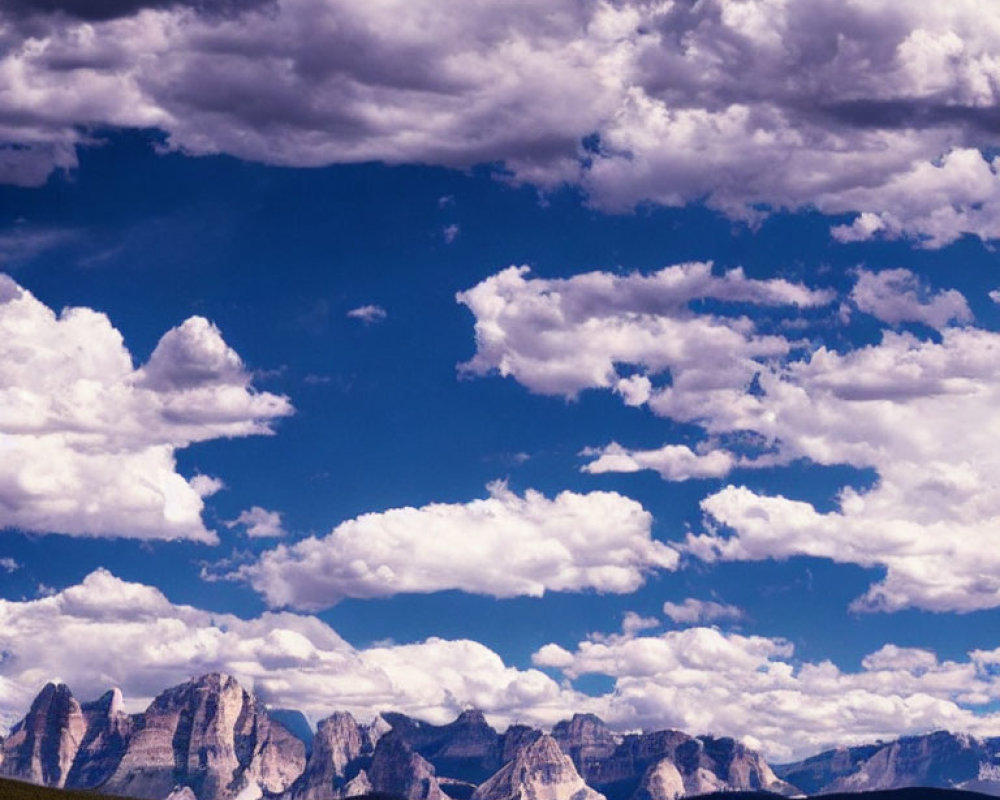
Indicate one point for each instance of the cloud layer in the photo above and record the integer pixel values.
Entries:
(880, 109)
(915, 410)
(105, 632)
(87, 441)
(705, 680)
(503, 546)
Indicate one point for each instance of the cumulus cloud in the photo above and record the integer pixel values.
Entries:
(560, 336)
(368, 314)
(693, 611)
(897, 295)
(674, 462)
(504, 546)
(8, 564)
(916, 411)
(259, 523)
(107, 632)
(702, 680)
(882, 110)
(88, 440)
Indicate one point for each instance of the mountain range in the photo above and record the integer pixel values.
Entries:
(212, 739)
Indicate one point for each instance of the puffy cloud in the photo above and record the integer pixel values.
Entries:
(918, 412)
(368, 314)
(702, 680)
(674, 462)
(88, 440)
(504, 546)
(897, 295)
(693, 611)
(8, 564)
(881, 109)
(107, 632)
(259, 522)
(561, 336)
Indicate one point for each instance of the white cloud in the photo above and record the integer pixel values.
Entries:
(693, 611)
(107, 632)
(88, 440)
(503, 546)
(8, 564)
(878, 109)
(259, 522)
(995, 295)
(561, 336)
(897, 295)
(450, 233)
(368, 314)
(674, 462)
(701, 680)
(919, 413)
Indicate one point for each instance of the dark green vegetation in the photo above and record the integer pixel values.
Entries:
(19, 790)
(912, 793)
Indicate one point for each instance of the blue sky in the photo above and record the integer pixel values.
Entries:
(631, 359)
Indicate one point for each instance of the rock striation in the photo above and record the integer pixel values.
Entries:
(212, 736)
(107, 735)
(539, 771)
(467, 750)
(662, 765)
(210, 739)
(940, 759)
(398, 770)
(41, 747)
(341, 750)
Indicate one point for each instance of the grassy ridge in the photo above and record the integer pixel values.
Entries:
(19, 790)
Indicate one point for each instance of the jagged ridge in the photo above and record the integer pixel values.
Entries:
(211, 739)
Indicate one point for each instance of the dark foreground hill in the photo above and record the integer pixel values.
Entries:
(910, 793)
(19, 790)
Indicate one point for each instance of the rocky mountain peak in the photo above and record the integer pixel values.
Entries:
(41, 747)
(471, 718)
(587, 740)
(110, 704)
(397, 769)
(337, 745)
(539, 771)
(211, 735)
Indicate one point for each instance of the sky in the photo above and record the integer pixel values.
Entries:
(636, 358)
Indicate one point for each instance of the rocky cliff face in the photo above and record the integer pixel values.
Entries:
(398, 770)
(939, 759)
(540, 771)
(467, 750)
(209, 739)
(41, 747)
(104, 743)
(662, 765)
(819, 771)
(338, 746)
(210, 735)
